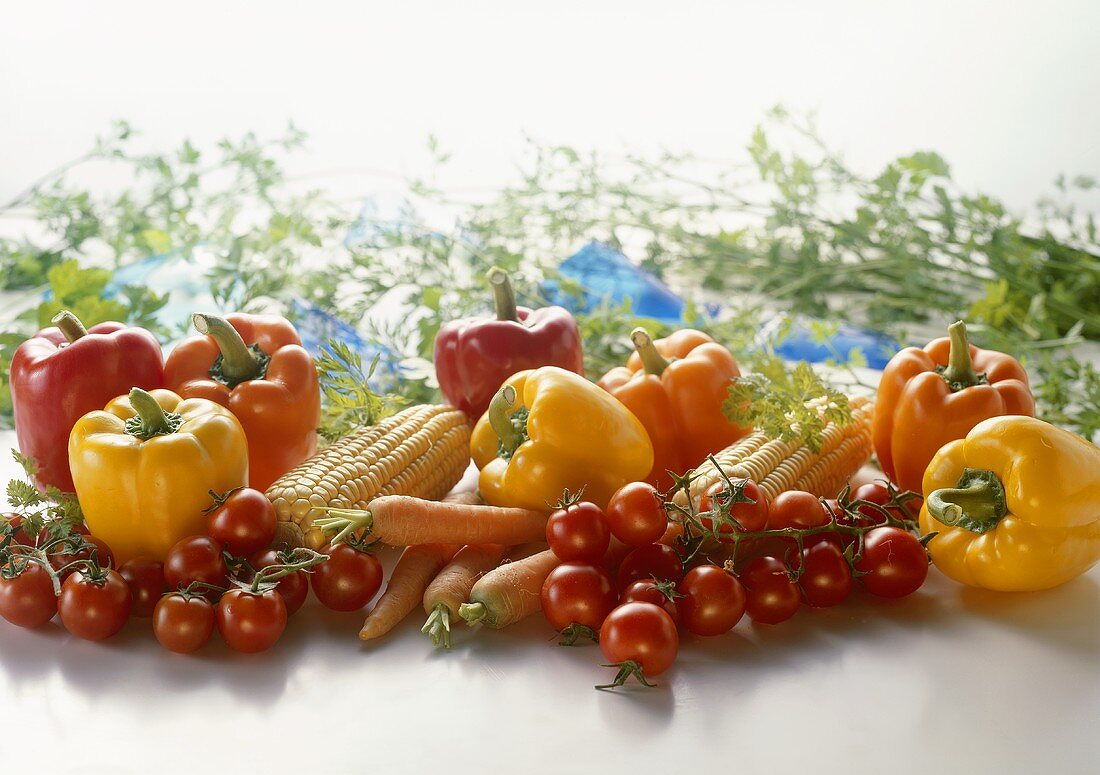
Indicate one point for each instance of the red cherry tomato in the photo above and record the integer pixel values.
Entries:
(79, 547)
(13, 523)
(653, 561)
(195, 558)
(636, 515)
(293, 587)
(771, 596)
(250, 621)
(648, 591)
(92, 609)
(244, 522)
(643, 633)
(183, 623)
(826, 579)
(795, 508)
(713, 600)
(747, 505)
(27, 600)
(348, 580)
(893, 561)
(577, 593)
(51, 531)
(146, 579)
(578, 533)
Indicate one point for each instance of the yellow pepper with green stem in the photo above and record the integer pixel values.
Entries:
(549, 429)
(1015, 505)
(144, 468)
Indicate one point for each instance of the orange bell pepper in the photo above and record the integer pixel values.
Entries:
(676, 386)
(931, 396)
(255, 366)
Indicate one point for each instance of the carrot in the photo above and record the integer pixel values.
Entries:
(469, 497)
(510, 593)
(415, 569)
(452, 587)
(401, 520)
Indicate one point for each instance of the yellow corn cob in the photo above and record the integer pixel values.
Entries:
(778, 466)
(421, 451)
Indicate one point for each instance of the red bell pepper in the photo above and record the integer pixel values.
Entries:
(62, 373)
(473, 356)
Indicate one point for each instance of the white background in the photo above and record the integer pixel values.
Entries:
(953, 680)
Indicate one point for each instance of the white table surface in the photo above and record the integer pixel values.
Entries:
(949, 679)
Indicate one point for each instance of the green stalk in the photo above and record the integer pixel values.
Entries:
(504, 295)
(976, 503)
(654, 362)
(500, 420)
(960, 372)
(472, 613)
(70, 325)
(239, 362)
(151, 419)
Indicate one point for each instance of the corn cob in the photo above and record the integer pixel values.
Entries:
(778, 465)
(421, 451)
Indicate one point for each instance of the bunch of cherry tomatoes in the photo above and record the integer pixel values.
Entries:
(631, 578)
(229, 579)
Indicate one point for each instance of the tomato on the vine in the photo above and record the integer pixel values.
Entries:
(578, 532)
(713, 600)
(79, 546)
(893, 562)
(94, 607)
(771, 595)
(660, 593)
(653, 561)
(195, 558)
(577, 593)
(636, 514)
(251, 621)
(797, 509)
(14, 523)
(348, 580)
(826, 578)
(146, 579)
(639, 636)
(746, 503)
(27, 599)
(243, 521)
(183, 623)
(293, 587)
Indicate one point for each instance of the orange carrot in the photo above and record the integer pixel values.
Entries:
(401, 520)
(415, 569)
(510, 593)
(469, 497)
(452, 587)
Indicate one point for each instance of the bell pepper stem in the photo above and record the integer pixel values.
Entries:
(653, 361)
(960, 368)
(70, 325)
(504, 294)
(500, 418)
(976, 503)
(154, 421)
(239, 363)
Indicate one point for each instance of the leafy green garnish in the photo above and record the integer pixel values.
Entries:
(349, 401)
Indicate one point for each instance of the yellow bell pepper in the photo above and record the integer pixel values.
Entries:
(144, 468)
(549, 429)
(1015, 505)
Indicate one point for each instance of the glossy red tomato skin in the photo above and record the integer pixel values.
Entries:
(195, 558)
(798, 509)
(244, 524)
(294, 587)
(646, 591)
(893, 561)
(145, 576)
(183, 624)
(713, 601)
(89, 546)
(28, 600)
(577, 593)
(636, 515)
(348, 580)
(751, 516)
(771, 597)
(826, 578)
(18, 534)
(650, 561)
(642, 633)
(94, 611)
(250, 622)
(578, 533)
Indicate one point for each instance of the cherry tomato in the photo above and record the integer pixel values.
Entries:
(146, 579)
(653, 561)
(894, 562)
(771, 596)
(648, 591)
(195, 558)
(348, 580)
(876, 492)
(250, 621)
(795, 508)
(244, 522)
(293, 587)
(578, 533)
(713, 600)
(577, 593)
(183, 623)
(89, 545)
(15, 523)
(826, 579)
(636, 515)
(642, 633)
(94, 610)
(28, 600)
(51, 531)
(748, 506)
